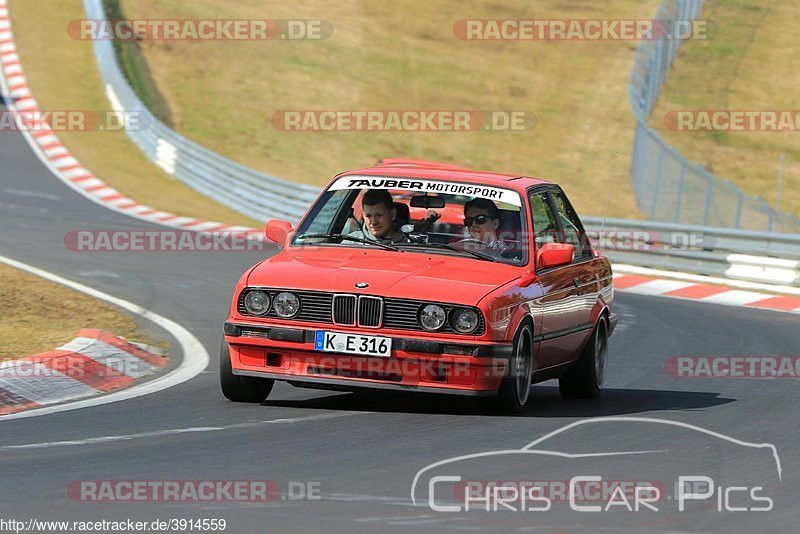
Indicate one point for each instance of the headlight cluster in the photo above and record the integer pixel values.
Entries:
(433, 317)
(257, 302)
(286, 304)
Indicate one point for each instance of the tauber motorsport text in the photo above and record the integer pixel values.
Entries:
(427, 186)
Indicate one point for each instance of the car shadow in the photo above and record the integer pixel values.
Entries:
(547, 402)
(544, 402)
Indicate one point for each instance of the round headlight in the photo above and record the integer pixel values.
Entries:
(256, 302)
(464, 320)
(286, 304)
(432, 317)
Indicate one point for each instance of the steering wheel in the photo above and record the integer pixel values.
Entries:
(470, 240)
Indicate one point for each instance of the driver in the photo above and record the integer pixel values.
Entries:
(482, 219)
(380, 217)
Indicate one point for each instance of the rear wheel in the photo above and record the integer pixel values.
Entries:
(584, 380)
(516, 385)
(241, 388)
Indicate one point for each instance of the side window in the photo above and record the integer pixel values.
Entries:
(323, 221)
(571, 225)
(545, 229)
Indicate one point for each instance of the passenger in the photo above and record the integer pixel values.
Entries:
(482, 219)
(380, 218)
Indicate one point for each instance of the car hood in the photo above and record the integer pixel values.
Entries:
(391, 274)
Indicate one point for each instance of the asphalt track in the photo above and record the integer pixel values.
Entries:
(364, 451)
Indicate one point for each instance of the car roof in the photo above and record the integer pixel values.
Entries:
(415, 168)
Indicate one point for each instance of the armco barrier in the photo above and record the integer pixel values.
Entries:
(765, 257)
(668, 187)
(759, 256)
(247, 191)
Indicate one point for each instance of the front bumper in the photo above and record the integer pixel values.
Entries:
(421, 365)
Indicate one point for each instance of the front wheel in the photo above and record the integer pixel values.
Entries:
(584, 380)
(516, 385)
(241, 388)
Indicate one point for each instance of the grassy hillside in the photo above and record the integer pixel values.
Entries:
(405, 56)
(751, 63)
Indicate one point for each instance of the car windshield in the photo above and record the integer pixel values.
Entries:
(482, 222)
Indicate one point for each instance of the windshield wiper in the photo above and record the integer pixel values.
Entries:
(479, 255)
(343, 237)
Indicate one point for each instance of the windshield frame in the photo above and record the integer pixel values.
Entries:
(339, 219)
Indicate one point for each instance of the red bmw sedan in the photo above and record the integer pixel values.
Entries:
(375, 289)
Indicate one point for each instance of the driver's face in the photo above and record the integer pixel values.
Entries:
(379, 219)
(481, 231)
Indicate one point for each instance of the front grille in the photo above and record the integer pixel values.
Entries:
(357, 310)
(364, 310)
(370, 311)
(344, 310)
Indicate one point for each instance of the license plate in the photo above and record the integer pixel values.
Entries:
(353, 344)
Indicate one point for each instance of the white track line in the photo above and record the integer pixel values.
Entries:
(174, 431)
(195, 357)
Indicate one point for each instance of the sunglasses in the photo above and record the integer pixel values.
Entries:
(480, 219)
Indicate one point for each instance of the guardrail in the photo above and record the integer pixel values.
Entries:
(250, 192)
(668, 186)
(764, 257)
(747, 255)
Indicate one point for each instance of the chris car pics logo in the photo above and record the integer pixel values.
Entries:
(670, 479)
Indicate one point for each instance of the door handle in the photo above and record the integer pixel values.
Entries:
(576, 282)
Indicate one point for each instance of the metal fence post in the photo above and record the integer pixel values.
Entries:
(709, 194)
(681, 181)
(738, 211)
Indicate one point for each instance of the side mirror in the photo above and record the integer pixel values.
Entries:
(277, 230)
(554, 254)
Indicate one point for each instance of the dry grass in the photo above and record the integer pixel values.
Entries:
(751, 63)
(223, 94)
(405, 56)
(63, 75)
(37, 315)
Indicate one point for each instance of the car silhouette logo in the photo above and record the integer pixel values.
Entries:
(362, 285)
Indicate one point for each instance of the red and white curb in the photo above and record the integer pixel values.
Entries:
(703, 292)
(94, 362)
(65, 166)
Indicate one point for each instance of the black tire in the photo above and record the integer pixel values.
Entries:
(584, 380)
(241, 388)
(515, 389)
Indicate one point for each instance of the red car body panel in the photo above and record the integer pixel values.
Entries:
(561, 303)
(391, 274)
